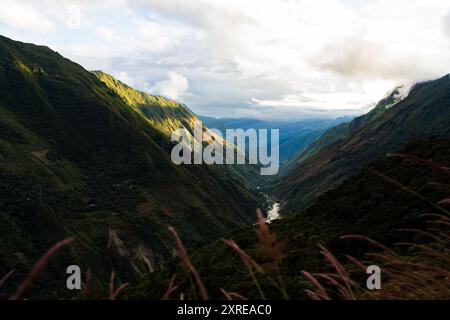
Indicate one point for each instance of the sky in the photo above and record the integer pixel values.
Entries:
(267, 59)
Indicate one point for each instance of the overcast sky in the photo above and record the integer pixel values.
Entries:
(269, 59)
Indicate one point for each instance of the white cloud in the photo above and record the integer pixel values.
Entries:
(446, 24)
(174, 87)
(24, 16)
(105, 32)
(74, 18)
(275, 58)
(126, 78)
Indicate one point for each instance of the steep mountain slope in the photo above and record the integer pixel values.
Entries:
(167, 116)
(76, 160)
(365, 204)
(163, 114)
(345, 129)
(424, 112)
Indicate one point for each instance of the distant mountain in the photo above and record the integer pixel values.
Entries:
(397, 119)
(214, 123)
(84, 159)
(295, 136)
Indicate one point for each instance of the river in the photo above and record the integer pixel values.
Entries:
(274, 213)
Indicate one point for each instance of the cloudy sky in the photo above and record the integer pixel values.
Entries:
(271, 59)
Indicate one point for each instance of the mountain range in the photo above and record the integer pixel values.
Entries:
(83, 155)
(340, 153)
(343, 184)
(365, 204)
(295, 136)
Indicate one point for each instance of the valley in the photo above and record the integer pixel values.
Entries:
(344, 183)
(84, 155)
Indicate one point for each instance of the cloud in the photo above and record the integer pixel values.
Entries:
(261, 58)
(330, 103)
(157, 35)
(174, 87)
(126, 78)
(355, 58)
(105, 32)
(24, 16)
(74, 18)
(446, 24)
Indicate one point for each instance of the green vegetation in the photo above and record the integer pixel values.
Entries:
(83, 155)
(344, 130)
(167, 116)
(423, 113)
(164, 114)
(78, 159)
(365, 204)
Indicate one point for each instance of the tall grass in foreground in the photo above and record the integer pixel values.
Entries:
(424, 273)
(38, 266)
(272, 250)
(87, 290)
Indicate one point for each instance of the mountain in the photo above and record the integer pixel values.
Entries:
(163, 114)
(365, 204)
(167, 116)
(82, 158)
(295, 136)
(214, 123)
(424, 112)
(348, 127)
